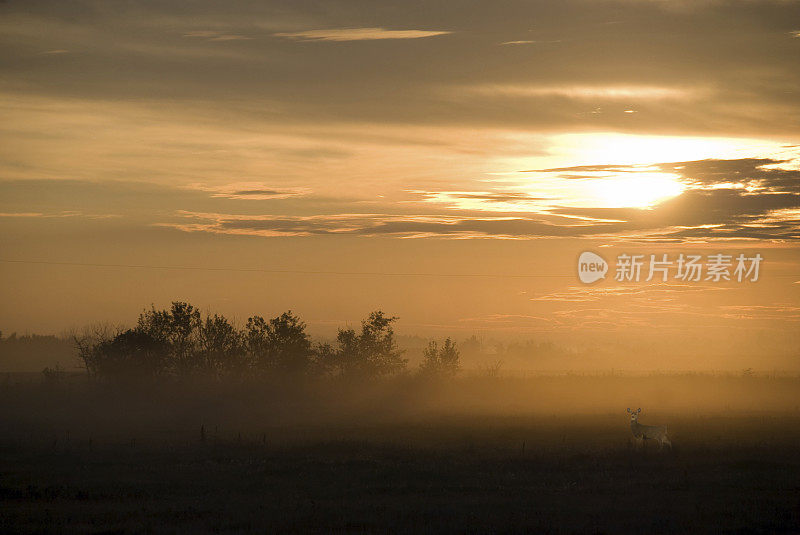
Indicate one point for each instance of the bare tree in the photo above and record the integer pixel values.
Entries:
(87, 341)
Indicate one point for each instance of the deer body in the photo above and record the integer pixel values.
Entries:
(648, 432)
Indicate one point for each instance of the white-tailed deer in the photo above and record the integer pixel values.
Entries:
(645, 432)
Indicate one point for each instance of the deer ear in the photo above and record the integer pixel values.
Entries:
(629, 409)
(640, 410)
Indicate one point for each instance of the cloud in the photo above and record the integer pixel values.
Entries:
(499, 201)
(610, 92)
(758, 174)
(494, 197)
(213, 35)
(66, 213)
(358, 34)
(594, 61)
(143, 203)
(514, 322)
(747, 198)
(744, 198)
(658, 291)
(22, 214)
(768, 209)
(251, 191)
(372, 225)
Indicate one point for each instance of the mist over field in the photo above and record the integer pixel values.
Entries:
(352, 435)
(475, 453)
(764, 352)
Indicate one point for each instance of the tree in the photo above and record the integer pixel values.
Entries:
(324, 359)
(255, 339)
(130, 354)
(175, 341)
(449, 358)
(87, 342)
(442, 362)
(220, 346)
(178, 328)
(290, 346)
(371, 353)
(180, 341)
(281, 344)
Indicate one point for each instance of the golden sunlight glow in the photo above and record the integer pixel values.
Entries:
(634, 190)
(573, 169)
(613, 148)
(609, 148)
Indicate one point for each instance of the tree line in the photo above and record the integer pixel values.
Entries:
(179, 341)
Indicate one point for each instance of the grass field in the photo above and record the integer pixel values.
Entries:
(65, 467)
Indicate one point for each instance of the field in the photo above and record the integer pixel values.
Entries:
(76, 458)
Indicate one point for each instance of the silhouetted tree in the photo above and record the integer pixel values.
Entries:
(442, 362)
(255, 339)
(179, 341)
(220, 346)
(130, 354)
(179, 329)
(449, 358)
(88, 342)
(324, 359)
(174, 341)
(280, 344)
(291, 345)
(371, 353)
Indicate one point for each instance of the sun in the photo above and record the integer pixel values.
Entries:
(613, 170)
(635, 187)
(633, 190)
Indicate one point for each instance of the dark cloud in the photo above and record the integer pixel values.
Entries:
(147, 202)
(707, 210)
(387, 225)
(745, 171)
(256, 193)
(733, 63)
(259, 192)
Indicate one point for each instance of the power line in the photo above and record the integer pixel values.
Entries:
(285, 271)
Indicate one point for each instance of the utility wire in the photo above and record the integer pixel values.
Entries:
(286, 271)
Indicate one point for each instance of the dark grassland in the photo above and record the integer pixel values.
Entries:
(547, 454)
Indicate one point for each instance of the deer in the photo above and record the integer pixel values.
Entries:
(645, 432)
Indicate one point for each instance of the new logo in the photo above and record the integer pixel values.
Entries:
(591, 267)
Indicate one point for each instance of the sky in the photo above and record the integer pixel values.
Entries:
(444, 161)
